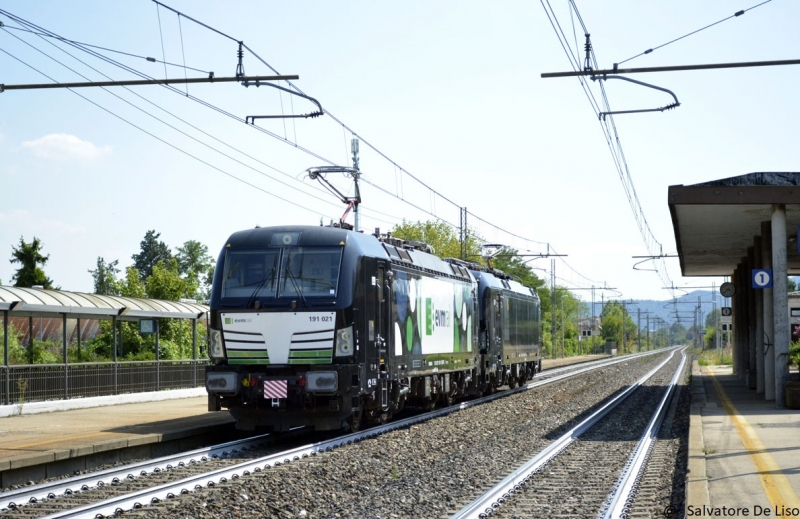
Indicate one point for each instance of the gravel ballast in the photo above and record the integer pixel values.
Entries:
(426, 470)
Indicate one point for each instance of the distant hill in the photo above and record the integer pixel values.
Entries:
(665, 309)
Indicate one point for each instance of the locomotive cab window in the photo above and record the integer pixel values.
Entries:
(310, 272)
(249, 272)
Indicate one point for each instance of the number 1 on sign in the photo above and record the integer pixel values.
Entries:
(762, 278)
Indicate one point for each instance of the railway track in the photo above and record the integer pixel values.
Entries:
(611, 464)
(133, 487)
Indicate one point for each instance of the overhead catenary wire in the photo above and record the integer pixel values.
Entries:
(163, 52)
(434, 192)
(324, 200)
(65, 40)
(432, 212)
(176, 148)
(611, 135)
(369, 210)
(734, 15)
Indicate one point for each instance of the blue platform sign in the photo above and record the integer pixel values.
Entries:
(762, 278)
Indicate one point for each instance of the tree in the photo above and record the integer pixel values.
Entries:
(132, 285)
(713, 318)
(166, 282)
(193, 257)
(439, 235)
(677, 333)
(152, 251)
(197, 266)
(614, 319)
(105, 278)
(791, 284)
(30, 257)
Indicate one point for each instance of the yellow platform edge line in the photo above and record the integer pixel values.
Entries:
(776, 485)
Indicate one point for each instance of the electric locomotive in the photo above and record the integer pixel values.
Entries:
(509, 329)
(326, 327)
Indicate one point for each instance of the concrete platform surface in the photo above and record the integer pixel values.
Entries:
(93, 434)
(744, 453)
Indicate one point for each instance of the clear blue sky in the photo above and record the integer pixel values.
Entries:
(448, 90)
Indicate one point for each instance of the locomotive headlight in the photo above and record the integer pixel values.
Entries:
(322, 381)
(344, 342)
(215, 349)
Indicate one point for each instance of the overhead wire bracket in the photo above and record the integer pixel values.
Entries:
(651, 258)
(250, 119)
(602, 115)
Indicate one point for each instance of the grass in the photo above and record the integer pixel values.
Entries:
(714, 357)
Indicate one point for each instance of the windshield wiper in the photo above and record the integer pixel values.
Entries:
(270, 275)
(297, 287)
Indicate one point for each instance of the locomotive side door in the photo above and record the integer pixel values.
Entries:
(378, 310)
(495, 323)
(382, 326)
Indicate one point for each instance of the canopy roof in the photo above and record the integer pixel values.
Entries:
(715, 222)
(26, 302)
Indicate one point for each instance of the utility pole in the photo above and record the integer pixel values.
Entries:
(622, 346)
(354, 149)
(639, 330)
(563, 354)
(463, 230)
(591, 326)
(553, 304)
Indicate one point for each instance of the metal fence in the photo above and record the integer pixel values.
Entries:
(41, 382)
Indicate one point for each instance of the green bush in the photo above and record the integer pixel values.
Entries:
(794, 354)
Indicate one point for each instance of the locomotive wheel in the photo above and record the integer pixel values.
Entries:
(512, 382)
(449, 398)
(429, 405)
(379, 417)
(355, 419)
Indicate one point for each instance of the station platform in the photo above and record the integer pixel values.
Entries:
(36, 446)
(744, 453)
(54, 438)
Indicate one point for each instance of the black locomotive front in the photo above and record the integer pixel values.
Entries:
(284, 340)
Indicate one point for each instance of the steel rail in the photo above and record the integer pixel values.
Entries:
(621, 498)
(13, 499)
(140, 498)
(486, 504)
(20, 497)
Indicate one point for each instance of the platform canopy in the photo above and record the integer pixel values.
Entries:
(34, 302)
(715, 222)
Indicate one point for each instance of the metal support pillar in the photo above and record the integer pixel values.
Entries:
(759, 315)
(735, 310)
(751, 320)
(780, 303)
(194, 350)
(158, 357)
(769, 323)
(30, 340)
(114, 352)
(5, 357)
(78, 330)
(744, 352)
(66, 357)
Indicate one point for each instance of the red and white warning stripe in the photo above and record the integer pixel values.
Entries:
(275, 388)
